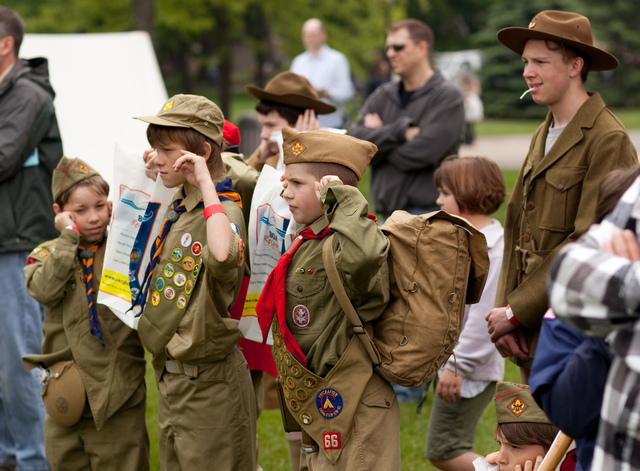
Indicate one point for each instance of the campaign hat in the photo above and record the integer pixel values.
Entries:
(563, 27)
(291, 89)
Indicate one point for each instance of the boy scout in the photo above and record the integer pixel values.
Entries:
(205, 398)
(85, 430)
(288, 99)
(346, 411)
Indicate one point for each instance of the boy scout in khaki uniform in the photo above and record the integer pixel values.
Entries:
(104, 428)
(206, 404)
(329, 390)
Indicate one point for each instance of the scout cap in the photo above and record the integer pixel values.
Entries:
(190, 111)
(563, 27)
(69, 172)
(515, 404)
(327, 146)
(63, 394)
(291, 89)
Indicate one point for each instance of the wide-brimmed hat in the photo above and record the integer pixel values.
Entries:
(291, 89)
(329, 147)
(190, 111)
(564, 27)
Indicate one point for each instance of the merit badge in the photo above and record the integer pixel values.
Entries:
(179, 279)
(287, 360)
(169, 293)
(301, 394)
(287, 394)
(188, 287)
(331, 441)
(517, 406)
(72, 283)
(155, 298)
(196, 270)
(295, 406)
(290, 383)
(196, 248)
(306, 418)
(329, 403)
(160, 284)
(181, 302)
(169, 270)
(176, 255)
(300, 316)
(296, 372)
(310, 382)
(186, 239)
(188, 263)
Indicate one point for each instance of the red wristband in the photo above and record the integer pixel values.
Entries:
(512, 318)
(212, 209)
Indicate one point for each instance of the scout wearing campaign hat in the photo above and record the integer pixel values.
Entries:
(69, 172)
(563, 27)
(293, 90)
(326, 146)
(515, 404)
(190, 111)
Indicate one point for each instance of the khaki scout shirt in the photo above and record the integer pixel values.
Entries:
(56, 280)
(553, 202)
(186, 316)
(313, 313)
(254, 162)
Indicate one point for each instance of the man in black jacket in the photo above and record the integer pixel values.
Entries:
(30, 148)
(416, 122)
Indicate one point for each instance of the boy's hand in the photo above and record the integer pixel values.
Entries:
(449, 386)
(307, 121)
(152, 169)
(529, 465)
(324, 181)
(64, 219)
(194, 168)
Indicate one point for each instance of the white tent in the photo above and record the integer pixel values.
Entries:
(101, 81)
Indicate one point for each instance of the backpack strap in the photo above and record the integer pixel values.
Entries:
(329, 259)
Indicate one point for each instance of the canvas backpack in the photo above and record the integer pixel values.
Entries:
(438, 263)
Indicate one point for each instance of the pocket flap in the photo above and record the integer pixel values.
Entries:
(563, 178)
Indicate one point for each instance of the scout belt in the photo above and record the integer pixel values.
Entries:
(323, 407)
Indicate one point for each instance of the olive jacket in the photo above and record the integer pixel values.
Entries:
(553, 202)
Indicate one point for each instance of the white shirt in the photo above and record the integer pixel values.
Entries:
(328, 70)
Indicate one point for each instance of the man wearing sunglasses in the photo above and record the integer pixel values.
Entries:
(416, 122)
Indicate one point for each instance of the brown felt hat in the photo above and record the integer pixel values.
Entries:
(515, 404)
(291, 89)
(327, 146)
(67, 173)
(563, 27)
(190, 111)
(63, 393)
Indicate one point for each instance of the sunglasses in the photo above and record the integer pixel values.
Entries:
(396, 47)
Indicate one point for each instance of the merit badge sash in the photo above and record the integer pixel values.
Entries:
(324, 407)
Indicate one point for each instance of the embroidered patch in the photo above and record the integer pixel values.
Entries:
(329, 403)
(331, 441)
(188, 287)
(517, 406)
(176, 255)
(296, 372)
(155, 298)
(310, 382)
(186, 239)
(306, 418)
(300, 315)
(302, 394)
(295, 406)
(196, 270)
(180, 279)
(167, 106)
(196, 248)
(160, 284)
(188, 263)
(169, 270)
(181, 302)
(169, 293)
(240, 250)
(44, 254)
(297, 148)
(83, 168)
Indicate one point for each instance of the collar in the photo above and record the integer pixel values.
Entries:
(191, 200)
(318, 225)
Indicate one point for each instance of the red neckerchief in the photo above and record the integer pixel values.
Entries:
(273, 296)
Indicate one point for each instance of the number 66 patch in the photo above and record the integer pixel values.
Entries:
(331, 441)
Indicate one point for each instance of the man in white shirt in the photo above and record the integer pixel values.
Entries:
(327, 69)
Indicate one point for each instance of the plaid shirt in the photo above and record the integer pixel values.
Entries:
(598, 293)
